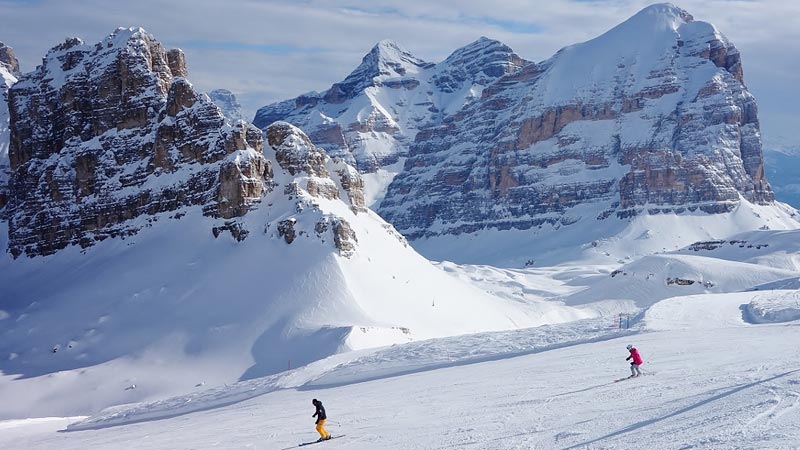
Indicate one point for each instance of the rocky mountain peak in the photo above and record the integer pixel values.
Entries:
(294, 151)
(319, 174)
(9, 71)
(227, 102)
(481, 48)
(370, 118)
(385, 61)
(479, 62)
(658, 16)
(115, 128)
(9, 60)
(389, 60)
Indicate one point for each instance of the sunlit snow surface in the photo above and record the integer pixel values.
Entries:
(712, 380)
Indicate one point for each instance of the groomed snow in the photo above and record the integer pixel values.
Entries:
(712, 381)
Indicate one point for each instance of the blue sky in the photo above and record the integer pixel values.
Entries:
(267, 51)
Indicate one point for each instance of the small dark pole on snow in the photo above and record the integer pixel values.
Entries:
(627, 320)
(289, 365)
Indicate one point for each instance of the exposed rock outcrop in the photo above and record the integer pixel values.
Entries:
(315, 176)
(322, 176)
(9, 72)
(105, 133)
(8, 60)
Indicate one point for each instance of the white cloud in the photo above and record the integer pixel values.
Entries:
(272, 50)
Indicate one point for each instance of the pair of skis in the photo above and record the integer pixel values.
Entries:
(316, 442)
(632, 377)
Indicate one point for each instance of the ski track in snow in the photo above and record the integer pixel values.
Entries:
(722, 373)
(366, 365)
(716, 385)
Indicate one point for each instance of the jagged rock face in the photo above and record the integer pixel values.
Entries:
(313, 175)
(322, 175)
(9, 72)
(8, 59)
(652, 115)
(104, 133)
(370, 119)
(227, 103)
(295, 152)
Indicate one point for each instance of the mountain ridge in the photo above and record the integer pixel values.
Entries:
(371, 117)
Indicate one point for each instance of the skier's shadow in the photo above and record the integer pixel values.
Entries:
(579, 390)
(644, 423)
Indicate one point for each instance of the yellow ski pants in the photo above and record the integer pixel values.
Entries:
(321, 429)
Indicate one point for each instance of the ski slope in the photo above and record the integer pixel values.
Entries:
(713, 381)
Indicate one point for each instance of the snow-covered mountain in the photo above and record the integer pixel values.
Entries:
(372, 117)
(9, 71)
(226, 101)
(514, 161)
(652, 117)
(151, 239)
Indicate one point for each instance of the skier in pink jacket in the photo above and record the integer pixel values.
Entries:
(637, 361)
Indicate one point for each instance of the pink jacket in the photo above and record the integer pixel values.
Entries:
(637, 359)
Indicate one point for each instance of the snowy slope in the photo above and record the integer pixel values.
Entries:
(609, 241)
(712, 381)
(173, 306)
(746, 262)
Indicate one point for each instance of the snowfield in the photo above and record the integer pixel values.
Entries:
(716, 321)
(712, 380)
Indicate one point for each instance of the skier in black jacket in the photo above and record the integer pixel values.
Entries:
(321, 418)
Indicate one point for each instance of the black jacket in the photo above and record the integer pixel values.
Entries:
(320, 414)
